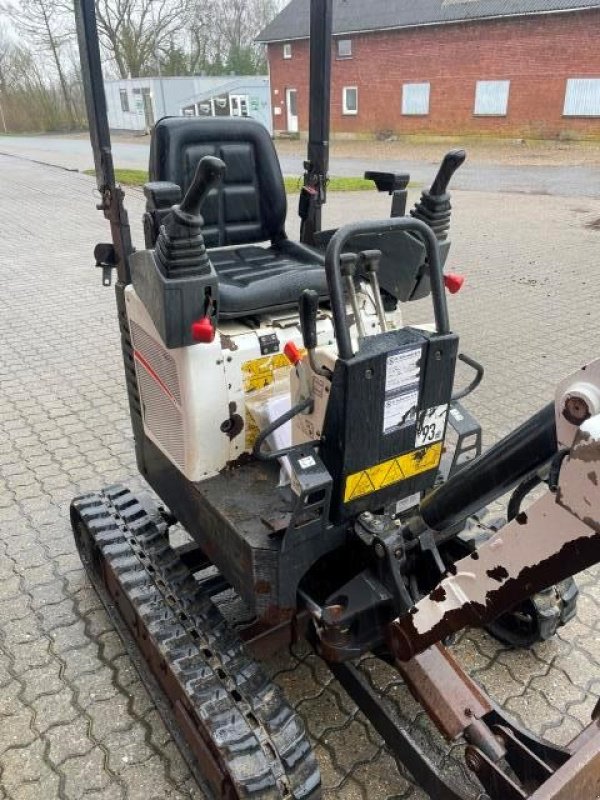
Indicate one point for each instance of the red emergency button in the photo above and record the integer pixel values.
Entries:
(453, 282)
(292, 352)
(203, 330)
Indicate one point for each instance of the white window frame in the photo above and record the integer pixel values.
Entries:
(582, 97)
(124, 96)
(483, 107)
(412, 104)
(341, 42)
(287, 50)
(349, 112)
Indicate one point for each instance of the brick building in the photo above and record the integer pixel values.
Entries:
(502, 67)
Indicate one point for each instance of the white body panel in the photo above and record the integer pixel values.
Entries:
(191, 395)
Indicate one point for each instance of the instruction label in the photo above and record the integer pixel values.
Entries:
(400, 410)
(401, 400)
(402, 370)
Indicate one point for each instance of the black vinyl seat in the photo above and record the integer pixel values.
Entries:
(247, 210)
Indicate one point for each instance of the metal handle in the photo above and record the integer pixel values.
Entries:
(476, 380)
(209, 173)
(332, 270)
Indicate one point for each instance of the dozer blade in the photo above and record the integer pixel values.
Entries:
(242, 740)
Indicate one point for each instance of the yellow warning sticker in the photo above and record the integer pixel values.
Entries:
(260, 372)
(388, 472)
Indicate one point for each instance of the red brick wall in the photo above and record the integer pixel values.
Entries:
(537, 54)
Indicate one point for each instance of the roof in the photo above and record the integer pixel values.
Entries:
(353, 16)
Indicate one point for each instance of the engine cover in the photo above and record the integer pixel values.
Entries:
(193, 398)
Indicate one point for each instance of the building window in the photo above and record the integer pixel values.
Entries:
(287, 50)
(344, 48)
(124, 99)
(415, 98)
(350, 100)
(491, 98)
(582, 98)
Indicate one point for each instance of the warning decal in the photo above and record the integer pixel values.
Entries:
(392, 471)
(260, 372)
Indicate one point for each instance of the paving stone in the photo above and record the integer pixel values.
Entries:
(54, 709)
(70, 739)
(71, 705)
(88, 770)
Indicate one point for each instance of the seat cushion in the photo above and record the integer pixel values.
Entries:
(256, 280)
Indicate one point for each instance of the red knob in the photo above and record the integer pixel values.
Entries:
(453, 282)
(291, 351)
(203, 330)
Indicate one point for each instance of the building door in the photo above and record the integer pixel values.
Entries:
(291, 101)
(239, 105)
(143, 102)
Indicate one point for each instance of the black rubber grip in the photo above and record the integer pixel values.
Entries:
(309, 308)
(209, 173)
(452, 161)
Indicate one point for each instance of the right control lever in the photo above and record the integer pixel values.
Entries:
(434, 206)
(452, 161)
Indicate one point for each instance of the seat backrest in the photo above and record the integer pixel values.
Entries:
(250, 205)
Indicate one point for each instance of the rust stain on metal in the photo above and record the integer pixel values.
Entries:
(228, 342)
(438, 595)
(405, 640)
(450, 697)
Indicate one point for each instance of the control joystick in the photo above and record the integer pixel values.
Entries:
(180, 250)
(434, 207)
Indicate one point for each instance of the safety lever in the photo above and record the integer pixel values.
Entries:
(309, 310)
(368, 261)
(348, 270)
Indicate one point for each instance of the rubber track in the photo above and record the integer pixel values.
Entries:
(257, 738)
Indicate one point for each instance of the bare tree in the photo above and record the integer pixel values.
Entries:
(132, 30)
(224, 31)
(46, 26)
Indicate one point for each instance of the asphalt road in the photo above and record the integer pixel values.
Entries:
(561, 181)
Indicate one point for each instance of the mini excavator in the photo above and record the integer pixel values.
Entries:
(299, 432)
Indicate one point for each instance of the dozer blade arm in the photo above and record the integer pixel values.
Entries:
(558, 535)
(537, 549)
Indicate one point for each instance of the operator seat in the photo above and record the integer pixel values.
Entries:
(247, 209)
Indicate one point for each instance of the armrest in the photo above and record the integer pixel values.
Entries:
(388, 181)
(161, 194)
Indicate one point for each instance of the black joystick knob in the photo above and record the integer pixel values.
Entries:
(452, 161)
(309, 308)
(209, 173)
(180, 249)
(434, 207)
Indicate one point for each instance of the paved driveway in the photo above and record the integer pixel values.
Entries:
(562, 181)
(74, 720)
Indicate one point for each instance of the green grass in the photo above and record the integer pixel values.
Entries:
(137, 177)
